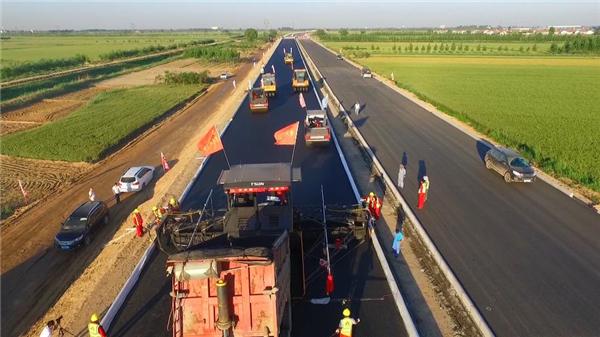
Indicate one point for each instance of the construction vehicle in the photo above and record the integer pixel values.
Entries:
(300, 80)
(288, 58)
(268, 84)
(258, 100)
(233, 271)
(316, 127)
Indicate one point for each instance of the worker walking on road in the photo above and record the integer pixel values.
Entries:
(426, 185)
(396, 243)
(117, 192)
(138, 221)
(92, 195)
(401, 176)
(357, 108)
(94, 327)
(346, 324)
(422, 195)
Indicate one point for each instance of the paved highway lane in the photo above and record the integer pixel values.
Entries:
(528, 255)
(249, 139)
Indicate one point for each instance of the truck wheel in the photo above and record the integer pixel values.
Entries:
(507, 177)
(105, 220)
(87, 240)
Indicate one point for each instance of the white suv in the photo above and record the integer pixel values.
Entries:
(136, 178)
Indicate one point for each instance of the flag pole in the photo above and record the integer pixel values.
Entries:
(226, 159)
(296, 141)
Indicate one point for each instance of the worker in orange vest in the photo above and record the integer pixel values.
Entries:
(370, 201)
(94, 327)
(422, 194)
(138, 221)
(377, 208)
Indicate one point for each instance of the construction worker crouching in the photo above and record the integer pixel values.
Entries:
(346, 324)
(157, 214)
(94, 327)
(173, 205)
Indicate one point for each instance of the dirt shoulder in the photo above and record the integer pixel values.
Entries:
(88, 280)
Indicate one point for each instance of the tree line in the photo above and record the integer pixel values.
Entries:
(343, 35)
(214, 53)
(120, 54)
(31, 68)
(44, 65)
(581, 45)
(190, 77)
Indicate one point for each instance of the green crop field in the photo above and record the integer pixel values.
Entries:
(108, 120)
(21, 48)
(456, 47)
(547, 107)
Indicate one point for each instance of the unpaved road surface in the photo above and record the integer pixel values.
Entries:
(34, 274)
(148, 76)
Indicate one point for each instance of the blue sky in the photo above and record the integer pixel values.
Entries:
(161, 14)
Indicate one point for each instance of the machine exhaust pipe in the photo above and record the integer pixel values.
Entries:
(224, 322)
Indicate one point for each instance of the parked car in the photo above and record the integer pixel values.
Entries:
(136, 178)
(510, 165)
(78, 228)
(339, 56)
(366, 73)
(224, 76)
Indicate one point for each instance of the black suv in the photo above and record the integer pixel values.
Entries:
(80, 225)
(510, 165)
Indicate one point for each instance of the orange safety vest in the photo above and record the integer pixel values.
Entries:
(93, 329)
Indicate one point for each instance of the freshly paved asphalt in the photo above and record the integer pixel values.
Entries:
(528, 255)
(249, 139)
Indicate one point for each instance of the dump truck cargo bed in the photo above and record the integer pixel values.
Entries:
(256, 273)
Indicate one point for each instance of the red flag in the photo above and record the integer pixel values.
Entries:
(287, 135)
(329, 284)
(210, 142)
(302, 102)
(164, 163)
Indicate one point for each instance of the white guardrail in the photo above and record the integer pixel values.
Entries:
(115, 307)
(409, 324)
(466, 301)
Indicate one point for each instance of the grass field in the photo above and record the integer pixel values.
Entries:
(108, 120)
(546, 107)
(21, 48)
(483, 48)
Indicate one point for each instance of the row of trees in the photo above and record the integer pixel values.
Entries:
(449, 47)
(343, 35)
(170, 77)
(8, 72)
(216, 54)
(590, 45)
(120, 54)
(251, 35)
